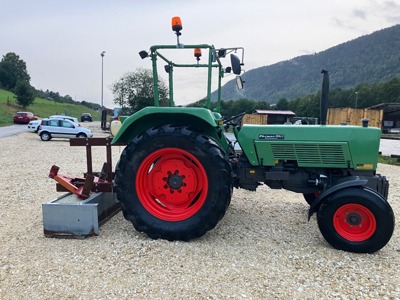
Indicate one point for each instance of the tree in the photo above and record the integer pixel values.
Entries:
(12, 70)
(25, 94)
(7, 77)
(282, 104)
(390, 90)
(135, 90)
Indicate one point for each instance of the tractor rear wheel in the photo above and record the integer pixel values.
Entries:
(356, 220)
(173, 183)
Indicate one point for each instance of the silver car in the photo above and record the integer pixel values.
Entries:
(60, 128)
(72, 119)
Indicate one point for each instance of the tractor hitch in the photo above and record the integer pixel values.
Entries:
(92, 181)
(89, 201)
(81, 187)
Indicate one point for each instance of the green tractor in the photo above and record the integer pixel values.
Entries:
(176, 176)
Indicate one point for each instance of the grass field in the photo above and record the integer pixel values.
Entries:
(42, 108)
(388, 160)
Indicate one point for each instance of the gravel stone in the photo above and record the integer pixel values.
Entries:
(263, 248)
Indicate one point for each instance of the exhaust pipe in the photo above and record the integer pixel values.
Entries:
(324, 97)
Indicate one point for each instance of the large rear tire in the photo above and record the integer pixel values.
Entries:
(356, 220)
(173, 183)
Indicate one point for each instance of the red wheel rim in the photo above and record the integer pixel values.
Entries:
(171, 184)
(354, 222)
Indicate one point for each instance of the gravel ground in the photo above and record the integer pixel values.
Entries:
(264, 247)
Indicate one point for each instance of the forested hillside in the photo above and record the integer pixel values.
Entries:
(372, 58)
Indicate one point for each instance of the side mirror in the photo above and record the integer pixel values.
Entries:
(239, 82)
(235, 62)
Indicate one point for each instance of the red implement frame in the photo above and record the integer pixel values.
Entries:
(92, 182)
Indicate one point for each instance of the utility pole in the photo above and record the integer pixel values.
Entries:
(103, 115)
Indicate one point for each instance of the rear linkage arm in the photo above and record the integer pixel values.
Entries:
(93, 182)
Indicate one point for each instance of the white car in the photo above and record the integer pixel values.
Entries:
(73, 119)
(34, 125)
(60, 128)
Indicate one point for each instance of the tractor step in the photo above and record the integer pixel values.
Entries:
(70, 217)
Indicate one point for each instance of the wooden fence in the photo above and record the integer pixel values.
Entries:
(254, 119)
(351, 116)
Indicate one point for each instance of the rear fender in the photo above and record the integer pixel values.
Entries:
(203, 120)
(351, 181)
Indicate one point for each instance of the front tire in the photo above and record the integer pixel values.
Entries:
(45, 136)
(173, 183)
(356, 220)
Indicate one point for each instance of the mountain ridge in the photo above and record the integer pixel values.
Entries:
(370, 58)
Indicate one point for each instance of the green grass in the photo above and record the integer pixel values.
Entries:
(391, 135)
(388, 160)
(42, 108)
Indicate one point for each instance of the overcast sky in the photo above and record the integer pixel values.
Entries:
(61, 40)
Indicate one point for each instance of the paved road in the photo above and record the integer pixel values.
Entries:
(389, 147)
(12, 130)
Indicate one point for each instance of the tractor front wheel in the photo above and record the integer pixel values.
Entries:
(173, 183)
(356, 220)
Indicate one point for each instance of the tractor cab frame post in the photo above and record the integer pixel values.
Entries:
(211, 55)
